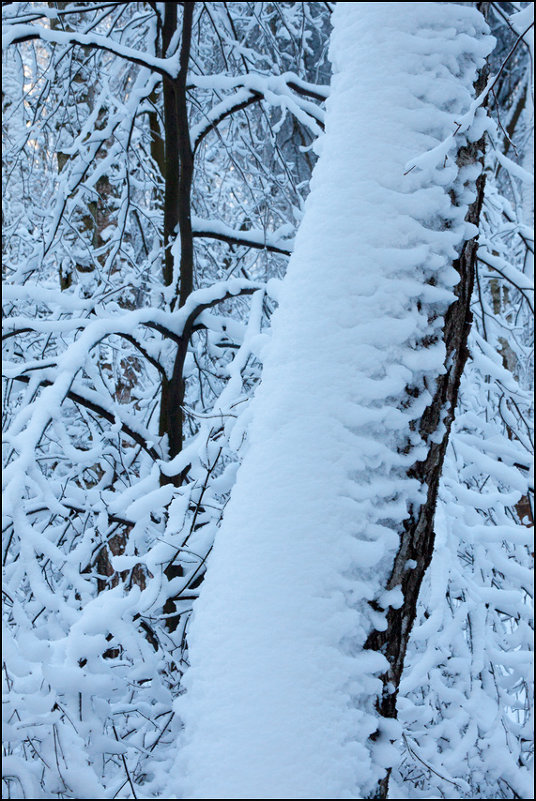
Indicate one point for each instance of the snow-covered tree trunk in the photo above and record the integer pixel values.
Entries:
(299, 636)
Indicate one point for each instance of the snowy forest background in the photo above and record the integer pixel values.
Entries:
(156, 162)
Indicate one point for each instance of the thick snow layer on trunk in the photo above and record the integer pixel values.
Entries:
(280, 700)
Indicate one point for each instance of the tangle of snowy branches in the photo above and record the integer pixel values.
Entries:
(108, 520)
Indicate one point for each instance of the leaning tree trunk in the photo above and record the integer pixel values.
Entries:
(418, 535)
(298, 640)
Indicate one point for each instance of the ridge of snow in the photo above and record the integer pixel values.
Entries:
(280, 693)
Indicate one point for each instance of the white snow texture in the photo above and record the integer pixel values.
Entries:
(280, 693)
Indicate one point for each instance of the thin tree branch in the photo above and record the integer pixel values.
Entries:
(76, 397)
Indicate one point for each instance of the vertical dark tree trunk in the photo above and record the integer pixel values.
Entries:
(157, 137)
(186, 163)
(178, 171)
(171, 147)
(178, 175)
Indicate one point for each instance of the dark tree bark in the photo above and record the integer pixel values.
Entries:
(418, 536)
(179, 162)
(178, 175)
